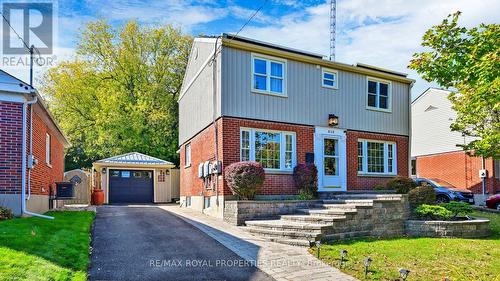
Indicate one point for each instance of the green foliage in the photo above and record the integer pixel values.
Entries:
(432, 212)
(458, 208)
(401, 185)
(5, 213)
(306, 195)
(469, 61)
(422, 195)
(244, 178)
(379, 186)
(119, 94)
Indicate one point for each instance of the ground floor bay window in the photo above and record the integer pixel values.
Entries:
(275, 150)
(376, 157)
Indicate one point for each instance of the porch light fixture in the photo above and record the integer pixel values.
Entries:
(343, 255)
(103, 170)
(367, 261)
(333, 120)
(403, 273)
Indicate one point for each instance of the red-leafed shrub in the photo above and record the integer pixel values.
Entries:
(245, 178)
(306, 178)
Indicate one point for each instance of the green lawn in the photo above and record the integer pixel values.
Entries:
(426, 258)
(40, 249)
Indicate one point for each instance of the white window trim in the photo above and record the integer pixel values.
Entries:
(187, 164)
(389, 94)
(330, 71)
(48, 148)
(282, 147)
(386, 154)
(268, 60)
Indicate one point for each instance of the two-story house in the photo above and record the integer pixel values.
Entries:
(435, 149)
(243, 99)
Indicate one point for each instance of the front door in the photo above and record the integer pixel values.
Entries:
(330, 160)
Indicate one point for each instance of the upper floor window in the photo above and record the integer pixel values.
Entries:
(329, 78)
(376, 157)
(268, 75)
(379, 95)
(48, 159)
(187, 151)
(275, 150)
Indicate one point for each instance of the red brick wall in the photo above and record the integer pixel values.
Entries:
(44, 176)
(10, 147)
(275, 184)
(458, 169)
(355, 182)
(202, 149)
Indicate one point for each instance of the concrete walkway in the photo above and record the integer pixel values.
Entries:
(282, 262)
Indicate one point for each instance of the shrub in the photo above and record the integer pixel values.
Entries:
(401, 185)
(432, 212)
(244, 178)
(458, 208)
(304, 195)
(422, 195)
(306, 178)
(5, 214)
(379, 186)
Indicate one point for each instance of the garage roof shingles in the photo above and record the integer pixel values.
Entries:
(135, 158)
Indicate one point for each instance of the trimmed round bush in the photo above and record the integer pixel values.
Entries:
(244, 178)
(432, 212)
(5, 214)
(306, 179)
(421, 195)
(458, 208)
(401, 185)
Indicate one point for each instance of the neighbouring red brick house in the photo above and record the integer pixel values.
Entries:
(435, 151)
(267, 103)
(46, 147)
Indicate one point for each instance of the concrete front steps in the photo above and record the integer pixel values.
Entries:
(345, 216)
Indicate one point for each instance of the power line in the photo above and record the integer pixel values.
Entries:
(17, 34)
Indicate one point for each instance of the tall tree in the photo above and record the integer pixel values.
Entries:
(120, 92)
(467, 60)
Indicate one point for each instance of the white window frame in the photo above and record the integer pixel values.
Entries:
(364, 170)
(336, 81)
(282, 147)
(268, 60)
(187, 155)
(377, 98)
(48, 158)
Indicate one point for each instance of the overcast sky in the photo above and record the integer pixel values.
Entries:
(383, 33)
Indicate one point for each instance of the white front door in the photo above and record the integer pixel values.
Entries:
(330, 149)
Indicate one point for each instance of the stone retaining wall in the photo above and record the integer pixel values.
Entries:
(237, 212)
(465, 229)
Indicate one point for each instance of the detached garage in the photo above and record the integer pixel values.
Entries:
(136, 178)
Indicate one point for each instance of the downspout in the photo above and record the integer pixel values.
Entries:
(31, 146)
(216, 133)
(410, 133)
(23, 161)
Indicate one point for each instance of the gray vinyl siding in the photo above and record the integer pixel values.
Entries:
(431, 133)
(196, 105)
(308, 102)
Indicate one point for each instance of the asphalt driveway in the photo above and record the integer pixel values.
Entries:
(149, 243)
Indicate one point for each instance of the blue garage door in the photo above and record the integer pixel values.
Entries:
(130, 186)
